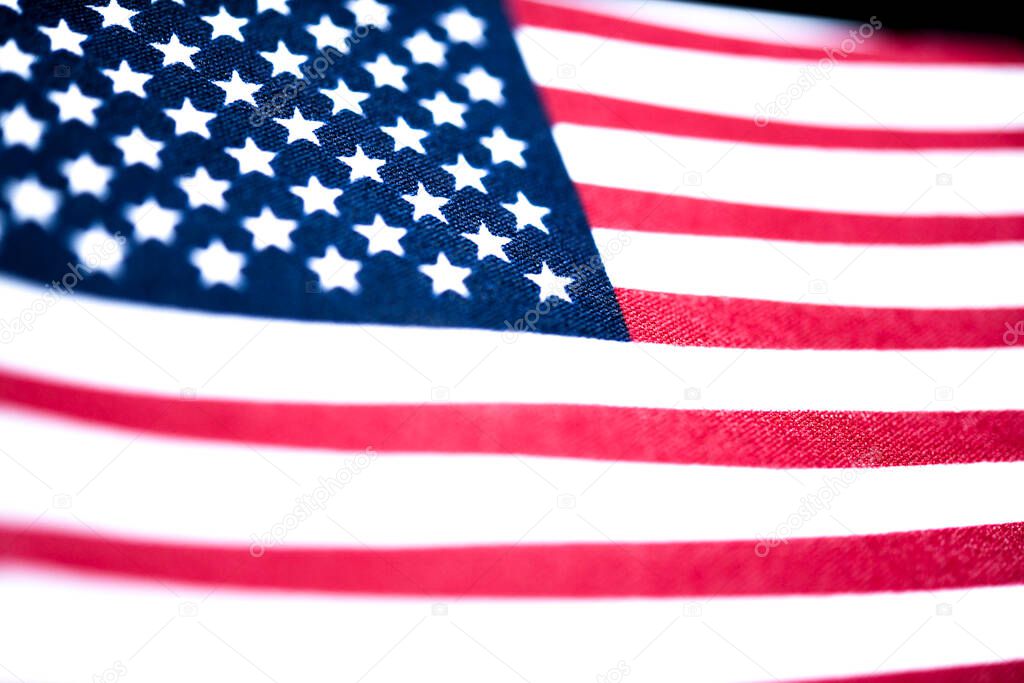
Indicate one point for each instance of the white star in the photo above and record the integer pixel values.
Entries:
(237, 90)
(202, 190)
(335, 271)
(19, 128)
(482, 86)
(270, 231)
(85, 176)
(551, 285)
(115, 15)
(463, 27)
(370, 13)
(386, 72)
(444, 277)
(188, 119)
(224, 24)
(316, 197)
(139, 149)
(279, 6)
(176, 53)
(345, 98)
(99, 250)
(465, 174)
(382, 236)
(504, 148)
(424, 49)
(252, 159)
(217, 265)
(329, 34)
(406, 136)
(284, 61)
(527, 213)
(31, 201)
(152, 221)
(74, 105)
(127, 80)
(444, 110)
(300, 128)
(425, 204)
(14, 61)
(363, 166)
(63, 38)
(488, 244)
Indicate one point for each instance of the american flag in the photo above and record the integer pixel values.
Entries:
(549, 340)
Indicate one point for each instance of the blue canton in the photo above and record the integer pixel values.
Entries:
(344, 161)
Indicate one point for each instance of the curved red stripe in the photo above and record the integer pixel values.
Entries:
(977, 673)
(716, 437)
(879, 48)
(609, 207)
(918, 560)
(686, 320)
(564, 106)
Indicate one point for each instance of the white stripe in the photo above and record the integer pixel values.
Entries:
(235, 494)
(167, 351)
(947, 276)
(894, 183)
(852, 94)
(728, 22)
(245, 635)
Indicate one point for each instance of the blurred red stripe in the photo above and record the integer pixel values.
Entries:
(918, 560)
(716, 437)
(687, 320)
(903, 49)
(564, 106)
(609, 207)
(979, 673)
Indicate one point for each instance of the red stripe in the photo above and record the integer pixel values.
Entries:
(980, 673)
(686, 320)
(718, 437)
(564, 106)
(879, 48)
(917, 560)
(609, 207)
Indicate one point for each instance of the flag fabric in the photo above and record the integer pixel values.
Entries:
(545, 340)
